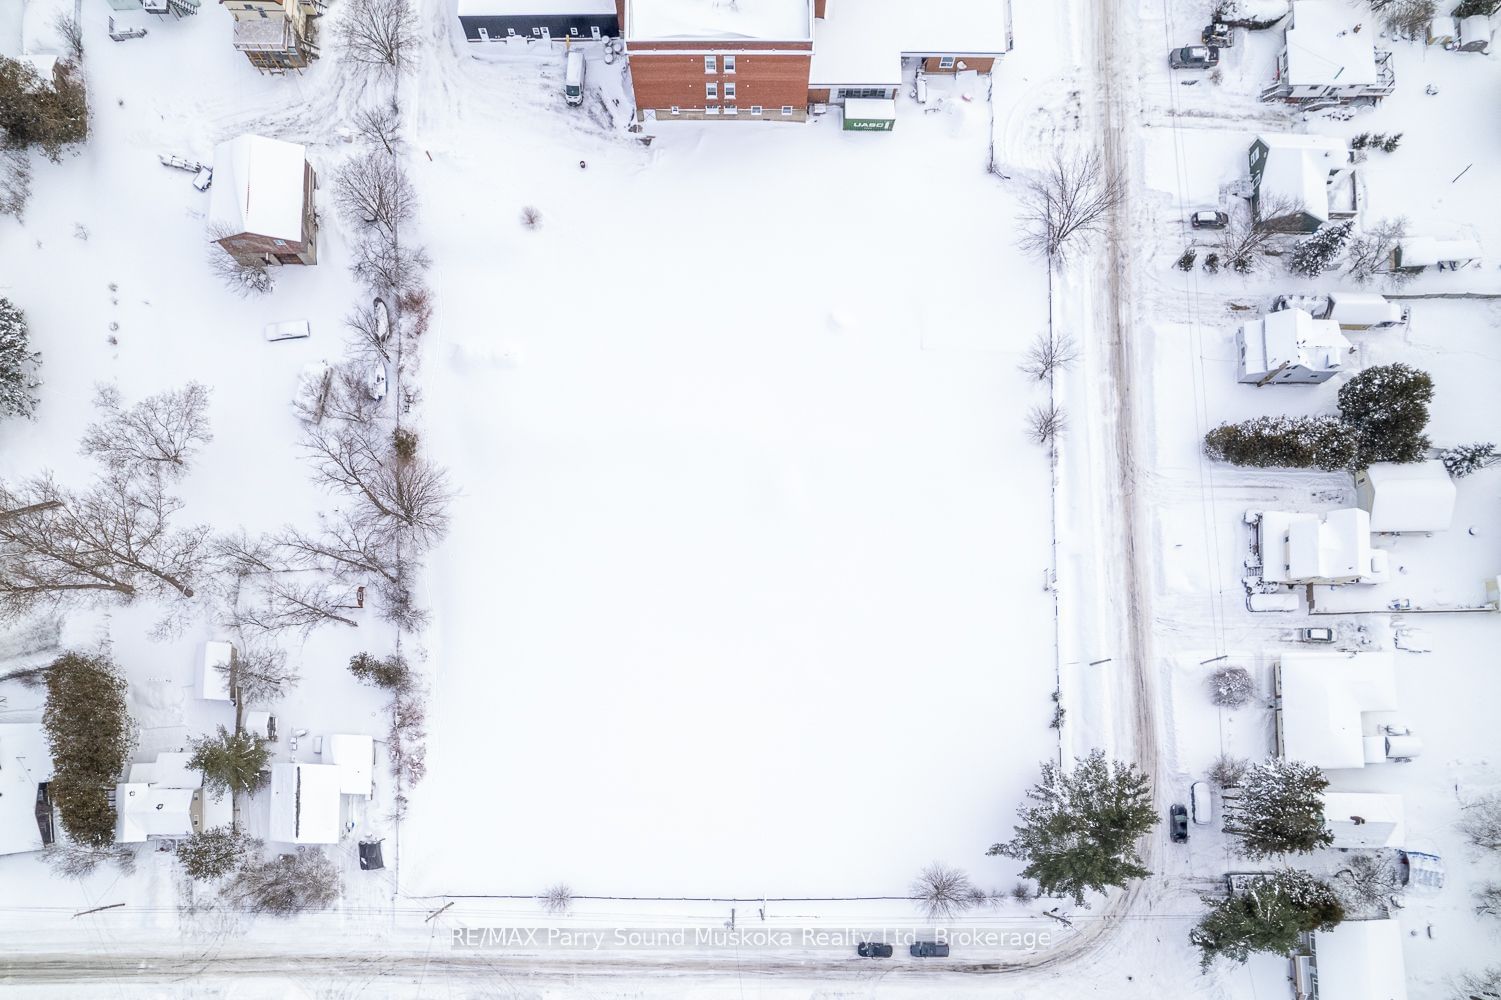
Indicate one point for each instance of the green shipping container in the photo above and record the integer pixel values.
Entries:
(867, 115)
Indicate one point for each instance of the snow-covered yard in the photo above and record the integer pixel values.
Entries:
(744, 592)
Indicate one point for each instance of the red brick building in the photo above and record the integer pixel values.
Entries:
(756, 60)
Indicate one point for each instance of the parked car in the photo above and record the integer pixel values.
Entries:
(1194, 57)
(873, 949)
(929, 949)
(1209, 220)
(1178, 821)
(292, 329)
(203, 178)
(1202, 802)
(1315, 635)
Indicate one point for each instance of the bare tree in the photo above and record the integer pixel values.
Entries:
(1370, 252)
(1406, 18)
(383, 263)
(159, 432)
(1488, 900)
(1070, 201)
(1484, 984)
(337, 394)
(370, 330)
(1049, 352)
(1046, 422)
(114, 540)
(1480, 821)
(1369, 879)
(72, 32)
(357, 549)
(259, 672)
(241, 278)
(15, 181)
(398, 500)
(294, 604)
(286, 885)
(381, 124)
(942, 892)
(371, 189)
(557, 899)
(377, 32)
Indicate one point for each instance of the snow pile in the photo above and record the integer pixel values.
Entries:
(1251, 13)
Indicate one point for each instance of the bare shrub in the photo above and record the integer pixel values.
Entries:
(1046, 422)
(1049, 352)
(530, 217)
(942, 892)
(1228, 771)
(159, 432)
(1483, 984)
(1231, 687)
(286, 885)
(242, 279)
(72, 860)
(371, 189)
(15, 181)
(1369, 879)
(1480, 822)
(557, 899)
(416, 310)
(1023, 892)
(1369, 253)
(1406, 18)
(378, 33)
(1069, 202)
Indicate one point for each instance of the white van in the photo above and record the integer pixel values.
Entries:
(1203, 804)
(573, 79)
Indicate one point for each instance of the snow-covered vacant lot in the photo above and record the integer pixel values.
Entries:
(744, 592)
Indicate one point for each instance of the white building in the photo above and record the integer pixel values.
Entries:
(354, 756)
(25, 767)
(1365, 819)
(213, 671)
(1407, 496)
(1418, 253)
(1290, 347)
(1360, 960)
(1332, 548)
(1364, 311)
(165, 798)
(1302, 181)
(305, 803)
(1330, 54)
(1338, 710)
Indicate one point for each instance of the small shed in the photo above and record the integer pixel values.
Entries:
(1475, 33)
(1364, 820)
(1364, 311)
(867, 114)
(1361, 960)
(1406, 496)
(1419, 252)
(213, 671)
(354, 756)
(1443, 30)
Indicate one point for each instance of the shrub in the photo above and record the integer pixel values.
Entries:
(1322, 442)
(215, 853)
(286, 885)
(88, 730)
(390, 674)
(1231, 687)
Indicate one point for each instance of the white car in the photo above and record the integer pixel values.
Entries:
(292, 329)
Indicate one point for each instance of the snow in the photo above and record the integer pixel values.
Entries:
(1381, 820)
(305, 803)
(354, 756)
(143, 811)
(1409, 496)
(1329, 705)
(25, 763)
(719, 20)
(213, 681)
(861, 42)
(259, 187)
(1330, 44)
(169, 770)
(1361, 960)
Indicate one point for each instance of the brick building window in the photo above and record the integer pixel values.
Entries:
(729, 90)
(787, 111)
(711, 90)
(730, 109)
(712, 109)
(945, 62)
(729, 64)
(711, 64)
(756, 109)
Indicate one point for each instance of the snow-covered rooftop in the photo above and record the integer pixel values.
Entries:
(143, 811)
(1331, 44)
(1325, 696)
(1425, 251)
(1362, 309)
(1361, 960)
(1407, 496)
(213, 683)
(25, 762)
(719, 20)
(863, 41)
(1293, 337)
(1365, 819)
(520, 8)
(169, 770)
(258, 187)
(305, 803)
(1319, 548)
(1297, 170)
(354, 756)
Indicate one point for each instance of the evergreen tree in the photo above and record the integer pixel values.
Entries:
(49, 114)
(1280, 809)
(1464, 459)
(1268, 916)
(1322, 442)
(18, 364)
(230, 761)
(88, 730)
(1081, 829)
(215, 853)
(390, 674)
(1388, 407)
(1312, 256)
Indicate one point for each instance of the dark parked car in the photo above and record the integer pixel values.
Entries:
(929, 949)
(1178, 821)
(1209, 220)
(873, 949)
(1194, 57)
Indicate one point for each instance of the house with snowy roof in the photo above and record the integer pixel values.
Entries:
(1339, 710)
(1290, 347)
(26, 815)
(1357, 960)
(261, 205)
(1407, 496)
(1305, 548)
(541, 20)
(1329, 55)
(1300, 182)
(275, 35)
(1364, 820)
(305, 803)
(164, 799)
(776, 59)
